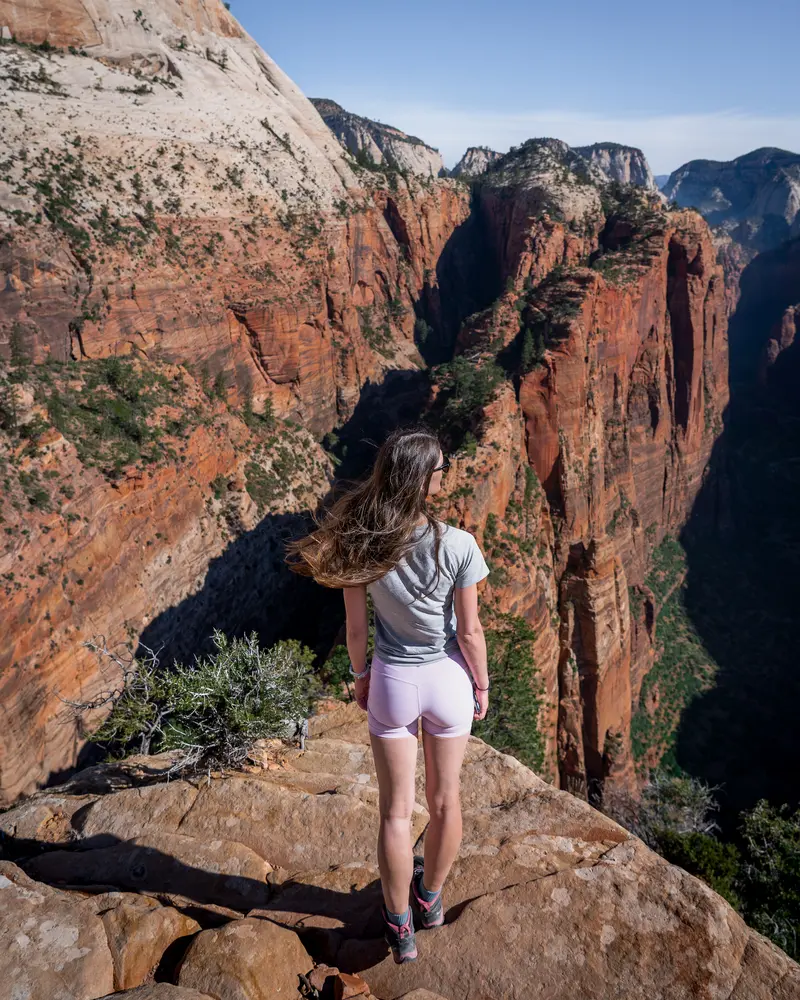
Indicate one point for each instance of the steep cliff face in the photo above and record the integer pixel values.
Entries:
(475, 161)
(621, 369)
(192, 215)
(625, 164)
(377, 143)
(755, 197)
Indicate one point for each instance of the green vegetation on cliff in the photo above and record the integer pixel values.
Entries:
(683, 668)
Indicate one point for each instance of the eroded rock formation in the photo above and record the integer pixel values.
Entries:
(547, 896)
(378, 143)
(475, 161)
(194, 216)
(755, 197)
(625, 164)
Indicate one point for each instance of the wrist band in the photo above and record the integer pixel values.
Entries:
(480, 689)
(363, 673)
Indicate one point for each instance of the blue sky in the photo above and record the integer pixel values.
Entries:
(681, 80)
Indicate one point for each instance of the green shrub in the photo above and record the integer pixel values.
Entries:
(211, 711)
(716, 863)
(769, 882)
(470, 387)
(515, 698)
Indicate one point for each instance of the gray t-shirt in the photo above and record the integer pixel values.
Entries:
(415, 621)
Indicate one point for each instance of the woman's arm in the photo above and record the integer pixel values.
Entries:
(472, 641)
(355, 603)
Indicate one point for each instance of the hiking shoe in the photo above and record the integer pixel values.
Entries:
(400, 938)
(431, 911)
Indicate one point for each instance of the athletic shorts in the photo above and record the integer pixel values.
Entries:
(439, 691)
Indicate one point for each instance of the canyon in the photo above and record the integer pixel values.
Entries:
(171, 199)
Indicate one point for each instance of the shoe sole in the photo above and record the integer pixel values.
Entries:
(406, 958)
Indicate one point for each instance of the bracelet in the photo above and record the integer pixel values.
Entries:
(363, 673)
(480, 689)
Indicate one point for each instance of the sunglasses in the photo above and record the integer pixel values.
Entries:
(443, 467)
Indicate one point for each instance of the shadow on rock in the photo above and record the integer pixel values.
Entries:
(345, 905)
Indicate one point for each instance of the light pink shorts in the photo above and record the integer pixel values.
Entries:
(440, 692)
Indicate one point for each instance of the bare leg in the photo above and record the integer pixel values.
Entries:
(395, 764)
(443, 758)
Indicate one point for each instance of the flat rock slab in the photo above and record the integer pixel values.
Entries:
(248, 959)
(52, 948)
(277, 823)
(598, 931)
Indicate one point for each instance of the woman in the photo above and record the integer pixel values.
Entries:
(429, 660)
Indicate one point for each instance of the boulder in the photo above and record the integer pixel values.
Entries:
(53, 948)
(597, 930)
(247, 959)
(139, 931)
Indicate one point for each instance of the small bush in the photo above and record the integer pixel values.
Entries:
(715, 862)
(770, 878)
(211, 711)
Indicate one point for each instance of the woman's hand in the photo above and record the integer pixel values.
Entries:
(362, 692)
(483, 701)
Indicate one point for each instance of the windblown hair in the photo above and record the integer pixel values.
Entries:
(366, 531)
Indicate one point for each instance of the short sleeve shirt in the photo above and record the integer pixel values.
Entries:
(415, 620)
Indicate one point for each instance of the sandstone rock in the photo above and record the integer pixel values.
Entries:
(345, 899)
(475, 161)
(589, 931)
(159, 991)
(274, 822)
(755, 198)
(205, 870)
(380, 143)
(624, 164)
(319, 974)
(53, 947)
(421, 994)
(346, 986)
(246, 960)
(139, 931)
(547, 896)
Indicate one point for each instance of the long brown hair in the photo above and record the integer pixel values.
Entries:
(366, 531)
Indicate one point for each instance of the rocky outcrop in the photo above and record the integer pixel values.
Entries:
(622, 385)
(372, 142)
(123, 549)
(624, 164)
(475, 161)
(756, 197)
(764, 324)
(546, 896)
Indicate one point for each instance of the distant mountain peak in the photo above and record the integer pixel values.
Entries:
(371, 141)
